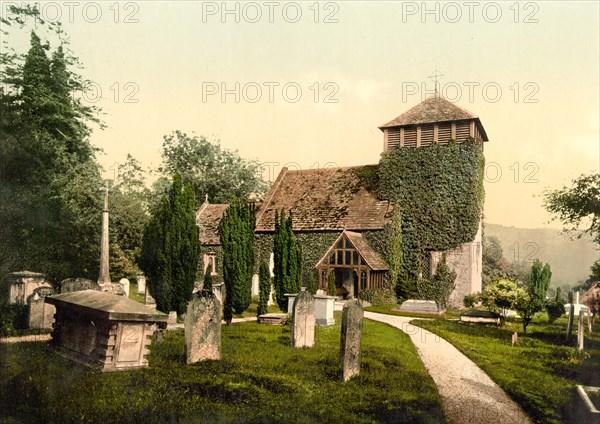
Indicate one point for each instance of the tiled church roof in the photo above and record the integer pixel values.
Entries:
(208, 218)
(432, 109)
(323, 199)
(369, 255)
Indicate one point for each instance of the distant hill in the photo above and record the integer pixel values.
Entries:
(570, 260)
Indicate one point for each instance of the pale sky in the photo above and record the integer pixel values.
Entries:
(529, 70)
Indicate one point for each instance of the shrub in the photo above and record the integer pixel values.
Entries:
(555, 308)
(381, 296)
(207, 281)
(440, 287)
(331, 284)
(470, 300)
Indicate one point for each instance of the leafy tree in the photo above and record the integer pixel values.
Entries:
(170, 249)
(236, 231)
(264, 283)
(578, 205)
(533, 300)
(287, 255)
(45, 127)
(219, 173)
(128, 218)
(494, 263)
(500, 296)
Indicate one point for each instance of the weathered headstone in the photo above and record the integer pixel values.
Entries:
(77, 284)
(203, 328)
(149, 300)
(352, 316)
(126, 284)
(141, 284)
(303, 320)
(172, 318)
(291, 297)
(324, 306)
(580, 330)
(570, 323)
(41, 314)
(22, 284)
(515, 338)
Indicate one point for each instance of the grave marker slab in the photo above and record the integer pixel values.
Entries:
(421, 307)
(41, 314)
(203, 328)
(352, 316)
(141, 284)
(303, 320)
(126, 284)
(70, 285)
(20, 285)
(324, 306)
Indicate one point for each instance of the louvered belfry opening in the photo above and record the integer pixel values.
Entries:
(433, 121)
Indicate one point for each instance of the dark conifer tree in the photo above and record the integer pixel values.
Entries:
(236, 231)
(170, 249)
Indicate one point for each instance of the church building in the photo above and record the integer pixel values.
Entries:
(339, 219)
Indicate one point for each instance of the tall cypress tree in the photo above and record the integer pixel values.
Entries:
(287, 255)
(236, 231)
(170, 249)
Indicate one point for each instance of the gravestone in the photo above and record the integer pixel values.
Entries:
(126, 284)
(352, 316)
(324, 306)
(303, 320)
(149, 300)
(172, 318)
(141, 284)
(291, 299)
(103, 331)
(203, 328)
(21, 285)
(41, 314)
(255, 289)
(70, 285)
(570, 323)
(421, 307)
(580, 330)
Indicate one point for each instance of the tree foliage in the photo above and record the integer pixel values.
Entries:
(264, 285)
(578, 205)
(218, 173)
(236, 231)
(500, 296)
(555, 308)
(441, 285)
(287, 256)
(50, 203)
(128, 218)
(533, 300)
(170, 249)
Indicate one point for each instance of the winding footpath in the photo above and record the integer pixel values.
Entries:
(468, 394)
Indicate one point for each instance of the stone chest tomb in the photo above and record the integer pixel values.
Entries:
(103, 331)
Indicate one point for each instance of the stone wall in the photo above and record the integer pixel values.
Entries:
(467, 261)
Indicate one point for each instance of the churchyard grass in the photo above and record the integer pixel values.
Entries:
(451, 313)
(133, 294)
(540, 372)
(261, 378)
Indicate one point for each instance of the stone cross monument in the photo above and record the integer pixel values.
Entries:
(104, 276)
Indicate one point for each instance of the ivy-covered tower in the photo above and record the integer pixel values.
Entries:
(436, 121)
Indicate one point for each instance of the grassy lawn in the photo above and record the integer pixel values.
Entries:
(540, 373)
(451, 313)
(261, 378)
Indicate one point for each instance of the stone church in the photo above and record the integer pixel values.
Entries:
(338, 218)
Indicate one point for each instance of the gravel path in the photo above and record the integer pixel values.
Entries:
(468, 394)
